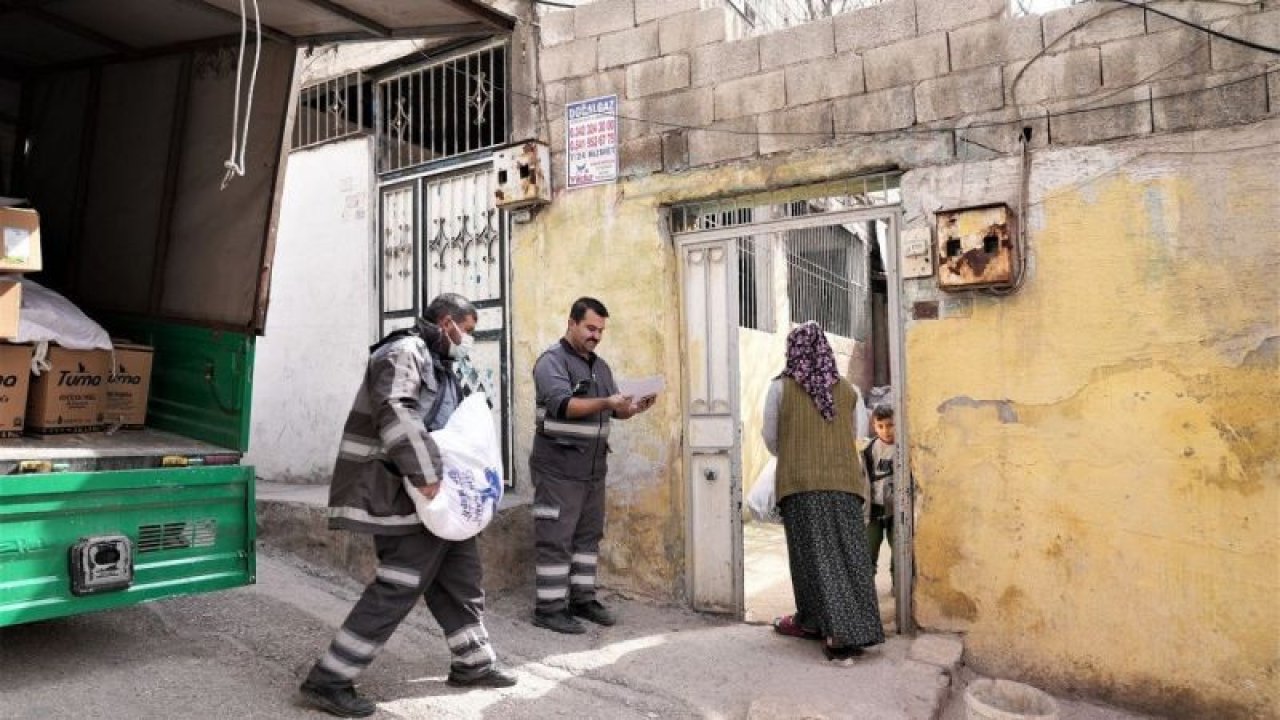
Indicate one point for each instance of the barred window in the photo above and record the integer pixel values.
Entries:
(332, 110)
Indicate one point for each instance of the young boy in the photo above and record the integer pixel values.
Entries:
(877, 458)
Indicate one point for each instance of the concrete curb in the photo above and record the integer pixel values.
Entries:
(292, 518)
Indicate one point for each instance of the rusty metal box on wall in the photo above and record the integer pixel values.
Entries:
(976, 247)
(522, 175)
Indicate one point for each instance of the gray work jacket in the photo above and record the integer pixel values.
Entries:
(408, 390)
(571, 449)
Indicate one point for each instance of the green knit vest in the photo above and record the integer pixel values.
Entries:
(814, 454)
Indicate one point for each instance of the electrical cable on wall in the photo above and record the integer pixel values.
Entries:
(1204, 28)
(240, 144)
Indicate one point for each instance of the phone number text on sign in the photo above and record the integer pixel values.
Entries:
(591, 141)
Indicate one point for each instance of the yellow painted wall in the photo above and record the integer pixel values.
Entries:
(1098, 457)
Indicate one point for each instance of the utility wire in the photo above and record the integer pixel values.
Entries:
(1197, 26)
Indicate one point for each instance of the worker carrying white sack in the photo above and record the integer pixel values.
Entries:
(470, 473)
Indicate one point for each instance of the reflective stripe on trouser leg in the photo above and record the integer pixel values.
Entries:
(557, 504)
(456, 600)
(586, 543)
(403, 562)
(472, 655)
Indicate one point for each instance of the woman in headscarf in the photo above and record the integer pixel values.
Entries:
(809, 424)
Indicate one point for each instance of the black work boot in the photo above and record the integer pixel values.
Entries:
(340, 701)
(561, 622)
(594, 611)
(494, 677)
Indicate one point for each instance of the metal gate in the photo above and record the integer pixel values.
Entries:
(436, 125)
(441, 233)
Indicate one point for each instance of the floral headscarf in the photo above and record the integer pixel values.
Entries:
(811, 363)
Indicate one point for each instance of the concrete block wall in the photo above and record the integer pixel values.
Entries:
(1089, 73)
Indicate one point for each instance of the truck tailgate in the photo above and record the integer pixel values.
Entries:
(188, 530)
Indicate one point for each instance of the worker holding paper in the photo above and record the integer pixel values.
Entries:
(577, 397)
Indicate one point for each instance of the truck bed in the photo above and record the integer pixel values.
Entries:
(121, 450)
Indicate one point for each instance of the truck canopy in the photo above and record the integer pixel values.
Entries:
(126, 120)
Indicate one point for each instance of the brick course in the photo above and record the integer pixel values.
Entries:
(796, 128)
(906, 62)
(571, 59)
(797, 44)
(603, 16)
(995, 42)
(717, 63)
(725, 141)
(1117, 116)
(1176, 53)
(678, 33)
(1065, 75)
(935, 15)
(959, 94)
(875, 26)
(891, 109)
(1091, 23)
(825, 79)
(647, 10)
(658, 76)
(628, 46)
(1214, 100)
(750, 95)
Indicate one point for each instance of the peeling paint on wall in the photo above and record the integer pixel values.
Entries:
(1099, 489)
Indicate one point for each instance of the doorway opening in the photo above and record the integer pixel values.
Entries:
(825, 257)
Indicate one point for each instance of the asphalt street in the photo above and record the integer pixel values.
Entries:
(242, 653)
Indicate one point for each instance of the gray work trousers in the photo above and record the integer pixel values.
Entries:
(568, 524)
(447, 574)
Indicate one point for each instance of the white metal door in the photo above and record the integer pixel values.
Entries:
(709, 277)
(712, 455)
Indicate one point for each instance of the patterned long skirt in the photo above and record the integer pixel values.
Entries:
(831, 573)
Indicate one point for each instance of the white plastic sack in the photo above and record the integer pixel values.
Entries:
(47, 317)
(471, 480)
(763, 498)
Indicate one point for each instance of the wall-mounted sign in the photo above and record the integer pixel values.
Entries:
(591, 140)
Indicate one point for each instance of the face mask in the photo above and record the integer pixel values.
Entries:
(461, 350)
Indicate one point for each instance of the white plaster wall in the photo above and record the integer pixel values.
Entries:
(320, 321)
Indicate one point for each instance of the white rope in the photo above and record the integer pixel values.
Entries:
(235, 163)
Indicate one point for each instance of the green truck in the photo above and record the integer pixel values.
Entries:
(127, 115)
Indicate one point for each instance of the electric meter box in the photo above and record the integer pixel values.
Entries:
(522, 175)
(976, 247)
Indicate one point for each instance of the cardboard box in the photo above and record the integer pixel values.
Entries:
(19, 240)
(128, 387)
(69, 397)
(15, 380)
(10, 307)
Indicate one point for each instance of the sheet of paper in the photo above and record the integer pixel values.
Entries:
(642, 387)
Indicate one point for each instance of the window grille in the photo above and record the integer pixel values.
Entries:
(755, 283)
(827, 279)
(331, 110)
(867, 191)
(445, 108)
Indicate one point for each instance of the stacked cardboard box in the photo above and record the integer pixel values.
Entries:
(15, 380)
(128, 385)
(20, 244)
(69, 397)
